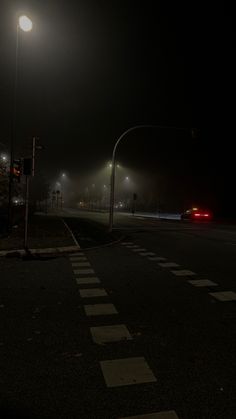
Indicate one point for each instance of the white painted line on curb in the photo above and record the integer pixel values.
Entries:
(71, 233)
(107, 334)
(170, 414)
(202, 283)
(93, 292)
(224, 295)
(39, 251)
(183, 272)
(168, 265)
(99, 309)
(83, 271)
(127, 371)
(158, 259)
(87, 280)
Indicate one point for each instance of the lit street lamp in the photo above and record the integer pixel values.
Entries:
(194, 134)
(26, 25)
(63, 180)
(4, 158)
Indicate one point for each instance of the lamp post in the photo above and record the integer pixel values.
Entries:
(113, 166)
(26, 25)
(63, 178)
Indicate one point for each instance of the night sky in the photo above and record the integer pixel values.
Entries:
(91, 69)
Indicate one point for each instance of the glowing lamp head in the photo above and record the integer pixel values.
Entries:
(25, 24)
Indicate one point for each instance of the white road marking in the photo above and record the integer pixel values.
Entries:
(158, 415)
(133, 246)
(106, 334)
(91, 280)
(183, 272)
(168, 265)
(147, 254)
(80, 264)
(158, 259)
(83, 271)
(76, 254)
(127, 371)
(126, 243)
(99, 309)
(93, 292)
(70, 231)
(202, 283)
(139, 250)
(224, 295)
(77, 258)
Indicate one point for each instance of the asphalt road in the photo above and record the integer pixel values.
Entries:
(174, 343)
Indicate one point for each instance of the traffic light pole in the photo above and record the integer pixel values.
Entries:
(29, 170)
(26, 213)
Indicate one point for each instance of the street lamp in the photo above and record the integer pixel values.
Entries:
(194, 133)
(25, 24)
(4, 158)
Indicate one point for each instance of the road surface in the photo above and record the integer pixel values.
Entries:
(143, 326)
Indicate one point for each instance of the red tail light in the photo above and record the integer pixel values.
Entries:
(198, 214)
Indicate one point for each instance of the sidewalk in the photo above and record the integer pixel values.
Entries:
(41, 349)
(44, 232)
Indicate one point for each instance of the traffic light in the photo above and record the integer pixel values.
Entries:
(16, 169)
(27, 166)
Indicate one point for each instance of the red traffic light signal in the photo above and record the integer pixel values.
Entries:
(16, 169)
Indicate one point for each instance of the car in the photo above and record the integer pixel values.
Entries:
(194, 213)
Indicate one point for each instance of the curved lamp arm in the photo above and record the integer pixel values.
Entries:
(113, 167)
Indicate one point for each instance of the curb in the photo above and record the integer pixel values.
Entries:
(46, 251)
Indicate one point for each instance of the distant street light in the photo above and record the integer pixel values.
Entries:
(4, 158)
(63, 181)
(110, 165)
(194, 133)
(26, 25)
